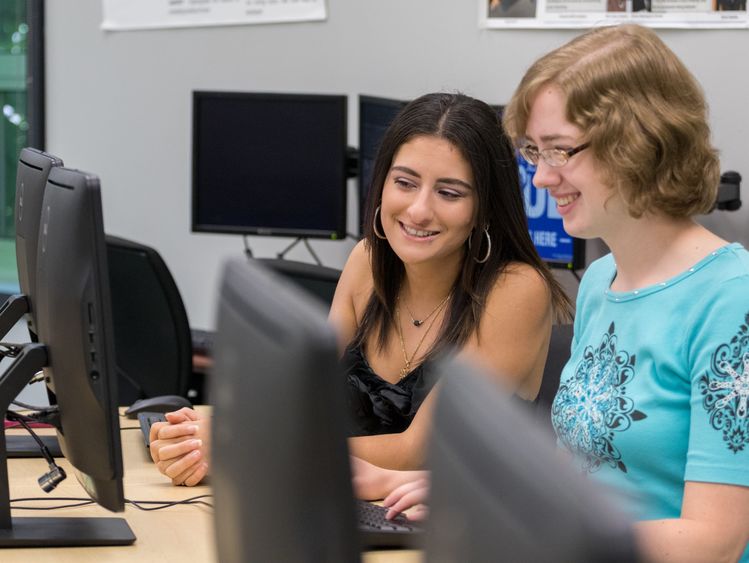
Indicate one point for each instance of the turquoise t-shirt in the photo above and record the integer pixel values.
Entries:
(656, 390)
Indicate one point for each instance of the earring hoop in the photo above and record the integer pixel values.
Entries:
(374, 224)
(488, 248)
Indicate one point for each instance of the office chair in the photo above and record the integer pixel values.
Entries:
(320, 281)
(152, 337)
(559, 353)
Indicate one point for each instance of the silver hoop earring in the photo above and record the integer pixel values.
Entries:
(374, 224)
(488, 248)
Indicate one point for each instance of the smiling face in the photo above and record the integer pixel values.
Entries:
(589, 208)
(428, 202)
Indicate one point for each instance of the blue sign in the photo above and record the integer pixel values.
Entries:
(545, 225)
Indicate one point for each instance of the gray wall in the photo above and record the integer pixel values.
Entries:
(118, 103)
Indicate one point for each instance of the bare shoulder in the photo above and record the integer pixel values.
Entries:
(355, 284)
(513, 336)
(521, 285)
(358, 268)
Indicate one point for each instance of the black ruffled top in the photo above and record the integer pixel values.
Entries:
(379, 407)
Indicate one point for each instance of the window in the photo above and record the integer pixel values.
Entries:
(21, 112)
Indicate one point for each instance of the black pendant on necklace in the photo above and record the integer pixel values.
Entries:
(417, 322)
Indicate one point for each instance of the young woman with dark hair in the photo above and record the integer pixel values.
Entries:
(446, 264)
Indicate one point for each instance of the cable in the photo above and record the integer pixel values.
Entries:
(38, 377)
(9, 350)
(168, 504)
(56, 474)
(27, 406)
(78, 502)
(139, 504)
(247, 249)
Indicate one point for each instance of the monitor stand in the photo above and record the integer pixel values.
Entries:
(306, 243)
(12, 311)
(45, 532)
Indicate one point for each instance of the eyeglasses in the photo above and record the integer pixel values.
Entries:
(552, 157)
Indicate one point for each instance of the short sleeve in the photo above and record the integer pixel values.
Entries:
(718, 356)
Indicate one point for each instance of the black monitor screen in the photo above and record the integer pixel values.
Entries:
(375, 115)
(269, 164)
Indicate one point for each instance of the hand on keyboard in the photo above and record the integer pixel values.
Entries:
(410, 496)
(376, 531)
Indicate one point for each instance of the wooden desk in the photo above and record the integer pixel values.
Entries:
(180, 533)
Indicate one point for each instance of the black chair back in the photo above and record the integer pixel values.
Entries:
(153, 344)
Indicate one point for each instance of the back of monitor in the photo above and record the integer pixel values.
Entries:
(502, 491)
(281, 475)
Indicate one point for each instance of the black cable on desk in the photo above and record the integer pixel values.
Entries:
(139, 504)
(77, 501)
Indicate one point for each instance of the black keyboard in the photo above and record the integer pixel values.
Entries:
(202, 341)
(148, 419)
(378, 533)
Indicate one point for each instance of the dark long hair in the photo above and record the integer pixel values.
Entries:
(473, 127)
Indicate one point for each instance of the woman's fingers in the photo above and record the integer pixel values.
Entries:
(177, 466)
(176, 449)
(182, 415)
(171, 431)
(406, 496)
(192, 476)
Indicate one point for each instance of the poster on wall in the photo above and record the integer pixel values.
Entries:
(550, 14)
(145, 14)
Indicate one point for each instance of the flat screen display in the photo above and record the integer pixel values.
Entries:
(553, 244)
(269, 164)
(375, 115)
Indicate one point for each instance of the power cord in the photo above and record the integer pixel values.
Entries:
(56, 474)
(9, 350)
(247, 249)
(75, 502)
(27, 406)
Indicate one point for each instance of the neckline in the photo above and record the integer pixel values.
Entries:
(363, 356)
(622, 296)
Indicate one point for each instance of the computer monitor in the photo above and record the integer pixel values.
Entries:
(75, 350)
(317, 280)
(269, 164)
(31, 178)
(280, 475)
(375, 116)
(501, 490)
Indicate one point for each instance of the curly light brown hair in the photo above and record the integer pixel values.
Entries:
(642, 112)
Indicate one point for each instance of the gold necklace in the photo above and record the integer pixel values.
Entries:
(406, 369)
(417, 323)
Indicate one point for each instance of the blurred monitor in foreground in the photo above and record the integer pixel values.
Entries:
(280, 465)
(500, 489)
